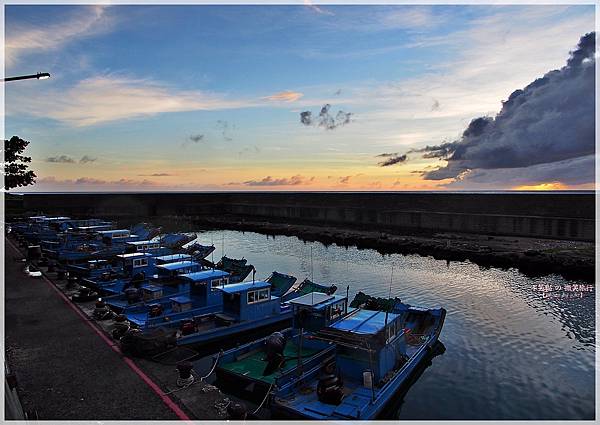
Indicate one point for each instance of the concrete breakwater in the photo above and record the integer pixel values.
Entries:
(538, 233)
(555, 215)
(533, 257)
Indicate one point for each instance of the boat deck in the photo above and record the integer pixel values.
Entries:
(252, 364)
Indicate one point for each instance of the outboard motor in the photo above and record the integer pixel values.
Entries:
(133, 295)
(275, 344)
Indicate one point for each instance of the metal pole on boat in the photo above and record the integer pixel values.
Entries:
(387, 309)
(347, 295)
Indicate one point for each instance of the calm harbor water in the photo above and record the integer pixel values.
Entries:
(514, 350)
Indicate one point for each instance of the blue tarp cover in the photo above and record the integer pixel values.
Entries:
(245, 286)
(364, 322)
(204, 275)
(177, 265)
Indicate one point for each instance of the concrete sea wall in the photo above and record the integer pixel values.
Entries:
(556, 215)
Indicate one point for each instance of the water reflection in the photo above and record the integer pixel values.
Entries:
(513, 352)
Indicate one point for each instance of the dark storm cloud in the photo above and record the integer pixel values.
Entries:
(62, 159)
(549, 121)
(86, 159)
(195, 138)
(392, 158)
(296, 180)
(325, 119)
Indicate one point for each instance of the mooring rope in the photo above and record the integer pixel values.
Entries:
(264, 399)
(213, 367)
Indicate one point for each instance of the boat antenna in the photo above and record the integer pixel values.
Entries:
(387, 310)
(212, 253)
(222, 244)
(312, 277)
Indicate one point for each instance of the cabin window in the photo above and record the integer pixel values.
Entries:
(215, 283)
(141, 262)
(258, 295)
(263, 294)
(337, 310)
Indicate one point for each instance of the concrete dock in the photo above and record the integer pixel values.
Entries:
(64, 369)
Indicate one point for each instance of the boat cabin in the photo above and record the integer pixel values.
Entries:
(111, 237)
(367, 341)
(249, 300)
(173, 258)
(202, 285)
(177, 268)
(142, 246)
(316, 310)
(137, 262)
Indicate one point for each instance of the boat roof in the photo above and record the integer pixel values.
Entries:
(172, 257)
(93, 227)
(177, 265)
(364, 322)
(317, 300)
(111, 232)
(56, 218)
(144, 242)
(181, 299)
(134, 254)
(152, 288)
(203, 275)
(245, 286)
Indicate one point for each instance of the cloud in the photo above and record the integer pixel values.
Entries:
(436, 105)
(85, 159)
(296, 180)
(26, 39)
(314, 7)
(62, 159)
(345, 179)
(156, 175)
(195, 138)
(550, 121)
(392, 158)
(92, 181)
(285, 96)
(224, 126)
(325, 119)
(571, 172)
(106, 98)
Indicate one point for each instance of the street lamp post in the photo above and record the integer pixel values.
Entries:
(38, 76)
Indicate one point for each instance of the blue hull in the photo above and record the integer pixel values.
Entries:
(361, 404)
(215, 334)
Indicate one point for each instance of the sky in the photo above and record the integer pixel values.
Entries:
(303, 97)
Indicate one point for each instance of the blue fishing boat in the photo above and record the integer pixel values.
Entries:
(252, 369)
(93, 269)
(374, 353)
(100, 244)
(247, 307)
(199, 251)
(145, 280)
(200, 297)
